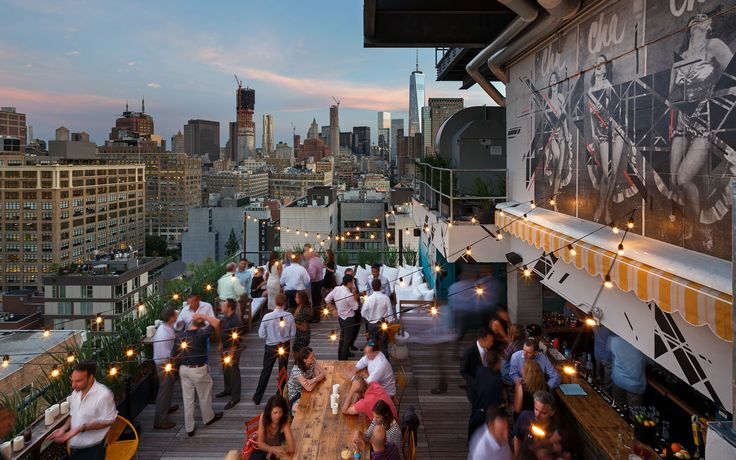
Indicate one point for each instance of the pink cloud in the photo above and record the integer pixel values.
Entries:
(351, 95)
(52, 102)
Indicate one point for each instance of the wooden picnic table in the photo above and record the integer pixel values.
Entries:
(318, 433)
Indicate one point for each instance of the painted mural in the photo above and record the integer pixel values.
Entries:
(633, 111)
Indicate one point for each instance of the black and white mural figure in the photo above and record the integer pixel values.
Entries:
(606, 136)
(698, 66)
(557, 150)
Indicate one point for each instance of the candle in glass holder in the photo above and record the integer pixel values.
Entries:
(48, 417)
(64, 408)
(55, 410)
(18, 443)
(6, 450)
(150, 331)
(157, 323)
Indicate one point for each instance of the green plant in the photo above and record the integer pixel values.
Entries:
(410, 256)
(392, 257)
(342, 258)
(231, 246)
(26, 410)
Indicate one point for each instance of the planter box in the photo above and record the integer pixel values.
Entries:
(137, 396)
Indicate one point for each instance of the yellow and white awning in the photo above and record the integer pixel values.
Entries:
(698, 303)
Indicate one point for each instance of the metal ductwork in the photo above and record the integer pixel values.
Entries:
(560, 11)
(528, 12)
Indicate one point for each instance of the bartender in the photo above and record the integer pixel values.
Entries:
(628, 372)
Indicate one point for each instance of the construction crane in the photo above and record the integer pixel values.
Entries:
(337, 101)
(293, 129)
(240, 82)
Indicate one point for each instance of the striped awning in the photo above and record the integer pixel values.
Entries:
(698, 304)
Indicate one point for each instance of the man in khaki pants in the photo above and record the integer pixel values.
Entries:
(194, 372)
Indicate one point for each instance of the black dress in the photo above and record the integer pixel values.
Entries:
(329, 280)
(254, 291)
(302, 338)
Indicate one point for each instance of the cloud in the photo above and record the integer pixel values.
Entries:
(72, 53)
(318, 90)
(153, 85)
(29, 101)
(132, 63)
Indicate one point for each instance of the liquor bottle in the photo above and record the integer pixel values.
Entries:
(589, 369)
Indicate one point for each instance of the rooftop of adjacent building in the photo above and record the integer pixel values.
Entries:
(109, 265)
(23, 346)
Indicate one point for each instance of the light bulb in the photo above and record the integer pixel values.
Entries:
(306, 233)
(499, 236)
(168, 367)
(525, 270)
(375, 220)
(620, 249)
(407, 231)
(227, 359)
(281, 351)
(473, 220)
(538, 432)
(113, 371)
(449, 224)
(287, 230)
(129, 353)
(175, 297)
(479, 290)
(590, 321)
(318, 236)
(333, 335)
(184, 345)
(55, 371)
(630, 223)
(282, 323)
(388, 234)
(357, 229)
(208, 288)
(6, 360)
(384, 325)
(525, 217)
(373, 237)
(70, 357)
(278, 227)
(401, 282)
(47, 332)
(468, 251)
(552, 201)
(347, 233)
(98, 319)
(433, 310)
(569, 370)
(607, 282)
(325, 311)
(571, 249)
(500, 213)
(437, 268)
(614, 228)
(367, 224)
(235, 335)
(533, 205)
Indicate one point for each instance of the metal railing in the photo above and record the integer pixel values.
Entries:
(460, 194)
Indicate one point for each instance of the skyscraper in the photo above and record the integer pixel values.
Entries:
(133, 126)
(202, 138)
(384, 142)
(245, 99)
(384, 120)
(396, 125)
(177, 142)
(362, 140)
(313, 132)
(427, 130)
(267, 141)
(442, 108)
(335, 128)
(416, 99)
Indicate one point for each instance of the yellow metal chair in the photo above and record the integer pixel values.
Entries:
(119, 449)
(401, 384)
(409, 447)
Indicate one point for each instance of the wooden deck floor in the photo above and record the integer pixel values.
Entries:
(442, 434)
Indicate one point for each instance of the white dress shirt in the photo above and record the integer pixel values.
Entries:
(229, 287)
(385, 285)
(271, 330)
(186, 314)
(344, 301)
(483, 446)
(163, 343)
(295, 278)
(379, 370)
(482, 352)
(98, 406)
(376, 307)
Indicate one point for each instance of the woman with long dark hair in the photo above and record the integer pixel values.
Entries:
(302, 316)
(274, 429)
(606, 138)
(305, 375)
(557, 150)
(273, 279)
(698, 67)
(330, 267)
(383, 416)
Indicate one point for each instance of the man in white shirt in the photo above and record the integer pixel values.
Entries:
(278, 328)
(294, 278)
(228, 286)
(91, 413)
(376, 309)
(491, 441)
(376, 274)
(343, 301)
(163, 343)
(192, 306)
(379, 369)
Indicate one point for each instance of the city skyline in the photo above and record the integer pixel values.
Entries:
(78, 71)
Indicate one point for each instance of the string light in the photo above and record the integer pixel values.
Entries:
(70, 357)
(590, 321)
(500, 213)
(175, 296)
(620, 249)
(168, 367)
(297, 231)
(357, 237)
(184, 345)
(607, 282)
(318, 237)
(384, 325)
(55, 372)
(499, 236)
(407, 231)
(367, 224)
(281, 351)
(235, 335)
(113, 371)
(141, 307)
(630, 223)
(449, 224)
(388, 234)
(571, 249)
(437, 268)
(325, 311)
(401, 282)
(98, 319)
(479, 290)
(306, 233)
(278, 227)
(525, 270)
(468, 252)
(46, 332)
(569, 370)
(533, 205)
(227, 359)
(282, 323)
(208, 288)
(433, 310)
(552, 201)
(357, 229)
(333, 335)
(287, 230)
(322, 243)
(614, 228)
(538, 432)
(130, 352)
(526, 218)
(473, 220)
(6, 360)
(375, 220)
(347, 233)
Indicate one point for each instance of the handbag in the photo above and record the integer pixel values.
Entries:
(248, 448)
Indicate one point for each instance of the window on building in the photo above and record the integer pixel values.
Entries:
(85, 308)
(58, 292)
(87, 292)
(66, 308)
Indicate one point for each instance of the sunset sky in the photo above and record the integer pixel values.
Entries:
(75, 63)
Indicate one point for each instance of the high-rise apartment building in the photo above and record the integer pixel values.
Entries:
(396, 125)
(416, 99)
(442, 108)
(13, 123)
(361, 140)
(427, 130)
(267, 139)
(173, 184)
(132, 126)
(64, 211)
(202, 139)
(335, 128)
